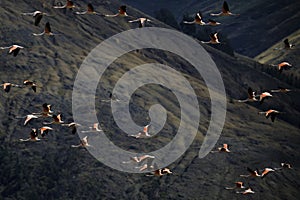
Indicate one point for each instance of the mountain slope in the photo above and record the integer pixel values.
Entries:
(51, 169)
(260, 25)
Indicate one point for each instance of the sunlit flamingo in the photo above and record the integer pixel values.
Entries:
(37, 15)
(90, 10)
(280, 89)
(46, 111)
(83, 143)
(213, 39)
(266, 171)
(238, 185)
(33, 136)
(270, 113)
(225, 11)
(94, 128)
(251, 96)
(121, 13)
(197, 19)
(13, 49)
(252, 173)
(263, 96)
(142, 21)
(138, 159)
(143, 133)
(29, 117)
(224, 148)
(247, 191)
(284, 166)
(212, 22)
(7, 86)
(46, 31)
(160, 172)
(44, 130)
(56, 120)
(73, 126)
(283, 66)
(31, 84)
(69, 4)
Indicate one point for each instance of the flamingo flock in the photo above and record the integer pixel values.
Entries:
(57, 120)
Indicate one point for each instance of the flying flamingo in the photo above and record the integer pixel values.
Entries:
(224, 148)
(247, 191)
(251, 96)
(284, 166)
(56, 120)
(138, 159)
(263, 96)
(144, 133)
(270, 113)
(29, 118)
(83, 143)
(46, 31)
(142, 21)
(90, 10)
(160, 172)
(73, 126)
(213, 39)
(33, 136)
(31, 84)
(283, 66)
(94, 128)
(197, 19)
(7, 86)
(225, 11)
(37, 15)
(45, 130)
(69, 4)
(121, 13)
(13, 49)
(252, 173)
(212, 22)
(238, 184)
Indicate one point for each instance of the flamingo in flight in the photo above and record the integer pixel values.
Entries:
(138, 159)
(224, 149)
(225, 11)
(69, 4)
(33, 136)
(46, 31)
(263, 96)
(251, 96)
(247, 191)
(283, 66)
(270, 113)
(142, 21)
(13, 49)
(37, 15)
(90, 10)
(94, 128)
(198, 20)
(73, 126)
(7, 86)
(143, 133)
(122, 12)
(252, 173)
(31, 84)
(46, 111)
(160, 172)
(29, 118)
(83, 143)
(56, 120)
(213, 39)
(287, 44)
(45, 130)
(238, 185)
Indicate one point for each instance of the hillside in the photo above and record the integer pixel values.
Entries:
(260, 24)
(51, 169)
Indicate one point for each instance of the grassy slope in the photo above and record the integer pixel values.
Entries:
(260, 25)
(51, 169)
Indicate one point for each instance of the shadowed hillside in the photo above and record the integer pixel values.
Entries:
(51, 169)
(260, 25)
